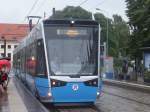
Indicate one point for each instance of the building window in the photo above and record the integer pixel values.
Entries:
(9, 55)
(15, 46)
(2, 46)
(9, 46)
(2, 54)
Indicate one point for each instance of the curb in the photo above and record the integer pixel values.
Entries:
(127, 85)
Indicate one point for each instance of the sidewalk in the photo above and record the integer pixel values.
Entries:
(15, 102)
(19, 99)
(11, 101)
(128, 84)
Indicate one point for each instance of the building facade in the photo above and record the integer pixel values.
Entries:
(12, 34)
(10, 46)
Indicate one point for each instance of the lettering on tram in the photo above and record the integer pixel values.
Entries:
(71, 32)
(59, 61)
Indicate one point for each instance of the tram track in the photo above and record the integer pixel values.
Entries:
(91, 108)
(80, 109)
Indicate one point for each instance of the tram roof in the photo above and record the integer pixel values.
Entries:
(69, 21)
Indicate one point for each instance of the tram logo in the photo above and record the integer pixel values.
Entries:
(75, 87)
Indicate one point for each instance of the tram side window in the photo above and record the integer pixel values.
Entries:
(14, 62)
(23, 60)
(31, 59)
(41, 63)
(18, 61)
(28, 59)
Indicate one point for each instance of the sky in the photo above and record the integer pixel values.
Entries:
(16, 11)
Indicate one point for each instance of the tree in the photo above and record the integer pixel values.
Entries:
(72, 12)
(139, 21)
(121, 32)
(118, 34)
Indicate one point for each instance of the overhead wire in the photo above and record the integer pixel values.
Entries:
(83, 2)
(33, 6)
(42, 4)
(100, 3)
(36, 1)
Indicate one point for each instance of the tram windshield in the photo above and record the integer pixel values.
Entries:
(72, 51)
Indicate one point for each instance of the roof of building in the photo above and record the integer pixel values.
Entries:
(13, 31)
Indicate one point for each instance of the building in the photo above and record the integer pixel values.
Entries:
(12, 34)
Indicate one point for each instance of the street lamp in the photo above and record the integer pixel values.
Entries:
(106, 31)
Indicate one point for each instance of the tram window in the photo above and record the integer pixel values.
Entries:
(23, 56)
(31, 60)
(74, 53)
(41, 63)
(26, 60)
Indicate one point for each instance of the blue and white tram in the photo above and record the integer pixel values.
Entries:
(59, 61)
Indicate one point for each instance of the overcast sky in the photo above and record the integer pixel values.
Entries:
(15, 11)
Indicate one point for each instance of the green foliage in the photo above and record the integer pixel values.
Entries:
(118, 62)
(121, 35)
(72, 12)
(139, 20)
(147, 75)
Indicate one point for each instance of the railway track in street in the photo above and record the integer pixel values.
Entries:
(90, 108)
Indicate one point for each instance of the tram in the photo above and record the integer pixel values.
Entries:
(59, 61)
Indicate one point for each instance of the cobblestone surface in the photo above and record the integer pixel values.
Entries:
(117, 99)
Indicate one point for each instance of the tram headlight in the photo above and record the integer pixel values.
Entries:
(98, 93)
(93, 82)
(57, 83)
(53, 83)
(49, 94)
(72, 22)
